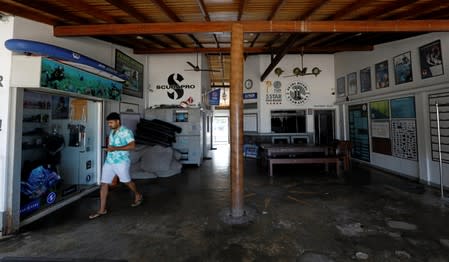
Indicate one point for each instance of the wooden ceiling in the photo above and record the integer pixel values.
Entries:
(275, 27)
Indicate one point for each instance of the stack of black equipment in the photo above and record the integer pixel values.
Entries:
(156, 132)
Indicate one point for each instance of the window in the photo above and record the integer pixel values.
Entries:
(288, 121)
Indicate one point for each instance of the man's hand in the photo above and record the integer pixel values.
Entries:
(110, 148)
(130, 146)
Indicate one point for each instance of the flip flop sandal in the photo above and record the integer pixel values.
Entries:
(137, 203)
(97, 215)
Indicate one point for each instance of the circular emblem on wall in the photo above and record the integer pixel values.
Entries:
(248, 83)
(277, 86)
(297, 93)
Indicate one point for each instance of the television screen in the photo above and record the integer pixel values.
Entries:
(181, 116)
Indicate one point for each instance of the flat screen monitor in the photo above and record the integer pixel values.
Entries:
(181, 116)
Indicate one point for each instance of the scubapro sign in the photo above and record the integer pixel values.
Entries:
(297, 93)
(175, 90)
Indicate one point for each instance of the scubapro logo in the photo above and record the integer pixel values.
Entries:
(174, 83)
(297, 93)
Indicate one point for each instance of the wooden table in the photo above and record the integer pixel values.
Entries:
(273, 150)
(296, 154)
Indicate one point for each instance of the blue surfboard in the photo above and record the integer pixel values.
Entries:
(65, 56)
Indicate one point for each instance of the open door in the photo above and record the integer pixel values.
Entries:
(324, 126)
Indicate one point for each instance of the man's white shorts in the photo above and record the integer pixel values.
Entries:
(111, 170)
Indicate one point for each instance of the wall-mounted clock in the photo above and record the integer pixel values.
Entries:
(248, 83)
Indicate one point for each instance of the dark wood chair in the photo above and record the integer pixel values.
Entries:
(343, 151)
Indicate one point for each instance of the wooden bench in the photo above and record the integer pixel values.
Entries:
(305, 160)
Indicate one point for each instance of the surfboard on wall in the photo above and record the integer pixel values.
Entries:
(63, 55)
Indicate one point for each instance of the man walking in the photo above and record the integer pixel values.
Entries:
(121, 141)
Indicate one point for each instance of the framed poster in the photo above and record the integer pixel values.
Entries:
(380, 129)
(403, 68)
(359, 131)
(380, 109)
(431, 60)
(365, 79)
(341, 88)
(403, 107)
(134, 70)
(382, 79)
(60, 107)
(403, 142)
(352, 83)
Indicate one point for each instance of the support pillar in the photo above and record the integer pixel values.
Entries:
(236, 117)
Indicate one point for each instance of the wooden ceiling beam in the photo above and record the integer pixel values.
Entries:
(317, 5)
(26, 12)
(321, 39)
(438, 12)
(167, 10)
(385, 9)
(348, 9)
(53, 9)
(129, 9)
(273, 13)
(176, 40)
(203, 10)
(417, 10)
(143, 28)
(255, 27)
(175, 18)
(273, 40)
(276, 9)
(253, 42)
(305, 38)
(242, 5)
(343, 39)
(82, 6)
(140, 17)
(283, 50)
(127, 42)
(252, 50)
(156, 41)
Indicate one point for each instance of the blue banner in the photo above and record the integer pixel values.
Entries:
(249, 95)
(214, 97)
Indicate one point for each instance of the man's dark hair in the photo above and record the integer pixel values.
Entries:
(113, 116)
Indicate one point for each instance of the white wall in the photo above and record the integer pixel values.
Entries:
(320, 87)
(347, 62)
(6, 31)
(251, 71)
(161, 67)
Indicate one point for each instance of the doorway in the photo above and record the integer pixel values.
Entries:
(220, 130)
(324, 126)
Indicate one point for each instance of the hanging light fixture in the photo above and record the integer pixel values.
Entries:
(303, 70)
(224, 95)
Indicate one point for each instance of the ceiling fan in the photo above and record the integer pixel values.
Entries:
(196, 68)
(303, 70)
